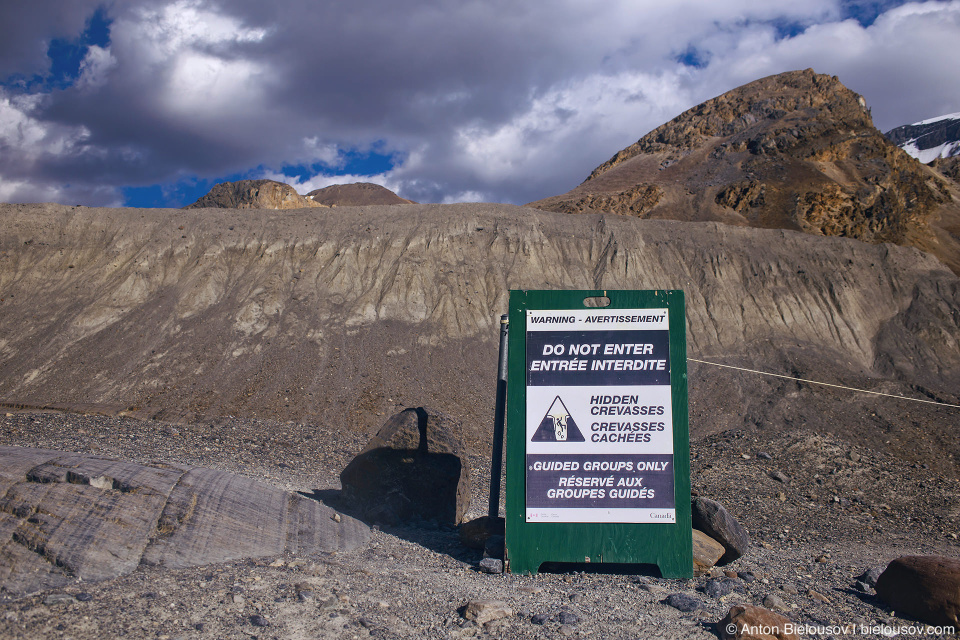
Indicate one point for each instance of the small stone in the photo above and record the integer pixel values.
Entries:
(484, 611)
(84, 597)
(816, 595)
(569, 618)
(259, 621)
(59, 598)
(236, 598)
(771, 601)
(869, 577)
(741, 620)
(747, 576)
(718, 587)
(491, 565)
(763, 455)
(779, 476)
(863, 586)
(567, 630)
(540, 618)
(706, 552)
(531, 589)
(306, 595)
(683, 602)
(789, 588)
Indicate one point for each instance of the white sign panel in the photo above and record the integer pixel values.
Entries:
(598, 416)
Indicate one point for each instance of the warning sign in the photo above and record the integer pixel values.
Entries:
(558, 425)
(599, 423)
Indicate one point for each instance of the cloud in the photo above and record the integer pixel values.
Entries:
(505, 101)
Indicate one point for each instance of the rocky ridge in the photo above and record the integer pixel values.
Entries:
(930, 139)
(346, 319)
(795, 151)
(358, 194)
(253, 194)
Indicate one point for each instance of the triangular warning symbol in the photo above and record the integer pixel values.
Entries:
(557, 425)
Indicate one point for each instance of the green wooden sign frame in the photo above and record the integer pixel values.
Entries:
(575, 537)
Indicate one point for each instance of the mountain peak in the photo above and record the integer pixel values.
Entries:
(797, 150)
(253, 194)
(357, 194)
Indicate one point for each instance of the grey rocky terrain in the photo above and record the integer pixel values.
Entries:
(838, 510)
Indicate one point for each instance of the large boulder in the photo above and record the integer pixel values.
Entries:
(710, 517)
(70, 516)
(415, 468)
(925, 587)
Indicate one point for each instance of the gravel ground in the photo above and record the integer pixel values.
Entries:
(820, 511)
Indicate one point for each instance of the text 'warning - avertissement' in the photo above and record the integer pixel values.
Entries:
(598, 417)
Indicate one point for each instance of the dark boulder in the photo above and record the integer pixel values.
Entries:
(710, 517)
(415, 468)
(925, 587)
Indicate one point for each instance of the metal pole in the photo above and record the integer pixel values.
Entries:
(497, 457)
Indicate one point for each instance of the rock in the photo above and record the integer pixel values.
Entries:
(59, 598)
(816, 595)
(259, 621)
(683, 602)
(925, 587)
(710, 517)
(747, 576)
(569, 618)
(789, 588)
(495, 547)
(870, 576)
(474, 534)
(779, 476)
(414, 468)
(706, 552)
(566, 630)
(491, 565)
(771, 601)
(484, 611)
(742, 620)
(763, 455)
(541, 618)
(94, 518)
(718, 587)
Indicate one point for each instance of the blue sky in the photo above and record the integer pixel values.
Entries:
(151, 102)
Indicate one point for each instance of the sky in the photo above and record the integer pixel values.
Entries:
(149, 103)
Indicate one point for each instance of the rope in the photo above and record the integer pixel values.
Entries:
(825, 384)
